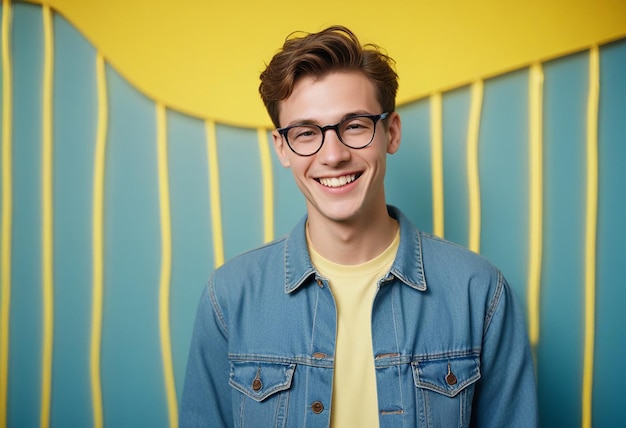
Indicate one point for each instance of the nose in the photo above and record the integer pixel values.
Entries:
(333, 152)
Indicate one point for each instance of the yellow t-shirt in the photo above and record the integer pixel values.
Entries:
(355, 402)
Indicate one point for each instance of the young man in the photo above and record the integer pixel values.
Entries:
(355, 319)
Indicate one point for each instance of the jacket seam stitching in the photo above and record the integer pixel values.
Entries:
(216, 308)
(493, 304)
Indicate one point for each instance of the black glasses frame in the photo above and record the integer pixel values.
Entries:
(374, 117)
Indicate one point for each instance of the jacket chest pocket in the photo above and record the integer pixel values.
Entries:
(445, 389)
(261, 392)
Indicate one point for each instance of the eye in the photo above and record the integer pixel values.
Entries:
(354, 125)
(303, 134)
(357, 124)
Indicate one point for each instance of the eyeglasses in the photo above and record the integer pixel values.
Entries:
(356, 132)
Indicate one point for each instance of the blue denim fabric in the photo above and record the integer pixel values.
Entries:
(449, 340)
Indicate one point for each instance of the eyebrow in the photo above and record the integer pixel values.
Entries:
(316, 122)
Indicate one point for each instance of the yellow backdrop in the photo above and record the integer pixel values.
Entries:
(203, 58)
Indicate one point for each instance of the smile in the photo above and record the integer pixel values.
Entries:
(337, 181)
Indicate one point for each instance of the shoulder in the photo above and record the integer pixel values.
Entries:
(256, 273)
(440, 251)
(450, 265)
(252, 260)
(244, 288)
(254, 256)
(430, 262)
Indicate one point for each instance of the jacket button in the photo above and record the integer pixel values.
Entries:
(317, 407)
(257, 384)
(451, 379)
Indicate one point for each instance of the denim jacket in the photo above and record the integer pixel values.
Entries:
(449, 341)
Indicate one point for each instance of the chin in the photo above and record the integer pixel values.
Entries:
(341, 215)
(338, 211)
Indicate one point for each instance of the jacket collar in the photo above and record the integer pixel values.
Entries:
(407, 267)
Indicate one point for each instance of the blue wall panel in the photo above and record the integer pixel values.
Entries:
(456, 105)
(241, 189)
(193, 258)
(503, 170)
(132, 263)
(610, 349)
(559, 356)
(74, 140)
(408, 184)
(24, 388)
(289, 204)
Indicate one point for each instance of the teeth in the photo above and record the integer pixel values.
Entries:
(338, 181)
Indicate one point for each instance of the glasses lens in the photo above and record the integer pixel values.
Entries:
(357, 132)
(305, 140)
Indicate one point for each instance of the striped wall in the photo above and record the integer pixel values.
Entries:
(115, 209)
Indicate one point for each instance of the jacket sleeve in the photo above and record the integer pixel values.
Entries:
(506, 394)
(206, 398)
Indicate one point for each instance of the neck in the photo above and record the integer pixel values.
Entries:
(355, 241)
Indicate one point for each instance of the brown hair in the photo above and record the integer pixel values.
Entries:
(333, 49)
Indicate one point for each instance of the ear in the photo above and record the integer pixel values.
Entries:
(394, 133)
(281, 149)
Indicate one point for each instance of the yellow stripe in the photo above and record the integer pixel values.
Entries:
(214, 190)
(590, 232)
(437, 162)
(268, 185)
(47, 226)
(536, 200)
(473, 179)
(98, 243)
(166, 266)
(7, 205)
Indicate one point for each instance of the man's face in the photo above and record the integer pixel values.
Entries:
(339, 183)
